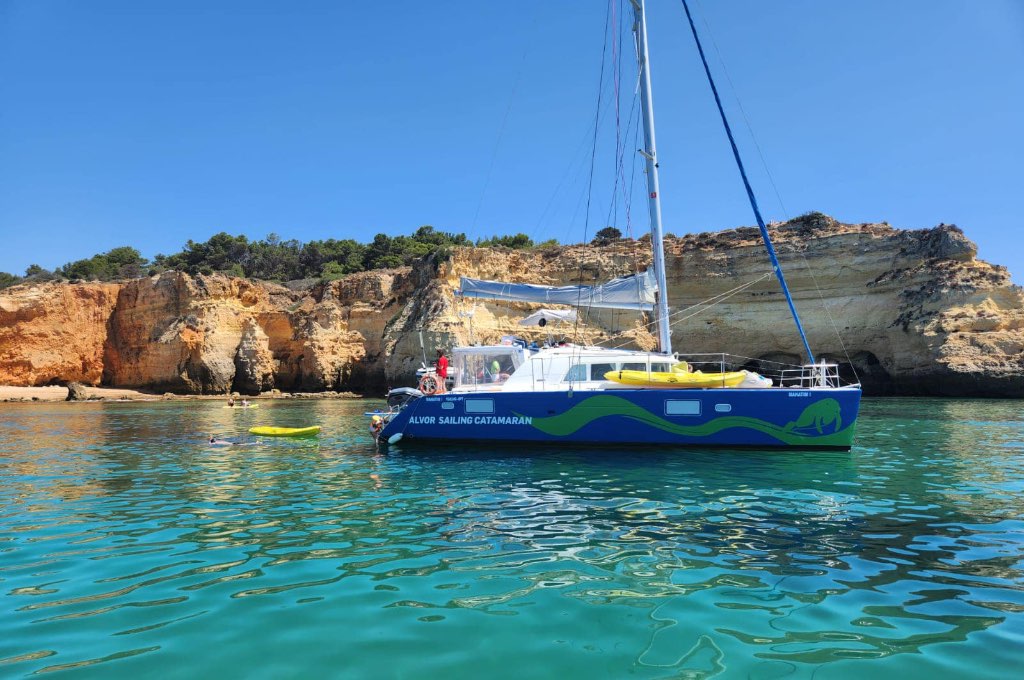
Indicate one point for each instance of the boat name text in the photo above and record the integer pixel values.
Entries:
(470, 420)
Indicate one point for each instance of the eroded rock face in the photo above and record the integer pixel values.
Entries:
(254, 362)
(179, 333)
(914, 312)
(908, 312)
(209, 334)
(54, 333)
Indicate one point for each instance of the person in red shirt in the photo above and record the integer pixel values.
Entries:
(442, 368)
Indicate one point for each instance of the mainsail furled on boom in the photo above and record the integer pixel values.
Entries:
(636, 291)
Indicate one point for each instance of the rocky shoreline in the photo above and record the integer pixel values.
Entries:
(58, 393)
(911, 311)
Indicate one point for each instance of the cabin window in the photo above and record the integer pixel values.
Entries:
(483, 367)
(479, 406)
(634, 367)
(682, 407)
(597, 371)
(578, 373)
(661, 368)
(723, 408)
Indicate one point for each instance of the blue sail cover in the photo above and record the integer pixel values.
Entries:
(635, 291)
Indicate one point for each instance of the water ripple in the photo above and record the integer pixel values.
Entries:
(131, 547)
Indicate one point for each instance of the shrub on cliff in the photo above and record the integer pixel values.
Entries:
(274, 259)
(342, 257)
(332, 271)
(219, 253)
(606, 236)
(8, 280)
(516, 242)
(36, 274)
(386, 251)
(119, 263)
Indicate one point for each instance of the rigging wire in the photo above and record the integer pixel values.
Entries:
(775, 188)
(704, 304)
(616, 72)
(632, 121)
(504, 121)
(739, 105)
(828, 313)
(723, 297)
(629, 194)
(579, 158)
(746, 184)
(629, 202)
(609, 19)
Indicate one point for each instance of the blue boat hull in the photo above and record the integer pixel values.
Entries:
(785, 418)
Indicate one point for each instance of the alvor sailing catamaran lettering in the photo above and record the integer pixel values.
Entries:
(595, 395)
(470, 420)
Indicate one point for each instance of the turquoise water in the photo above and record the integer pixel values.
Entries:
(130, 548)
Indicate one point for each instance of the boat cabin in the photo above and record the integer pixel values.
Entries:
(485, 368)
(512, 368)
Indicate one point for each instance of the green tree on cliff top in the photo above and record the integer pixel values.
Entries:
(606, 236)
(516, 241)
(124, 262)
(8, 280)
(275, 259)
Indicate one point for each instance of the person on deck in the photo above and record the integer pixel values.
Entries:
(442, 370)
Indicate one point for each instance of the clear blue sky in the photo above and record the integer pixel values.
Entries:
(150, 123)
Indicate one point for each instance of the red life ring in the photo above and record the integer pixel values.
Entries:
(430, 384)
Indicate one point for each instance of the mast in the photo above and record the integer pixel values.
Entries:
(650, 155)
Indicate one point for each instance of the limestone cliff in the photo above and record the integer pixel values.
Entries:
(209, 334)
(906, 311)
(54, 333)
(913, 312)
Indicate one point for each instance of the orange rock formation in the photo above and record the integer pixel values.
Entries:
(916, 312)
(54, 333)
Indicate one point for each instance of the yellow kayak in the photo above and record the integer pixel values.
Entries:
(676, 379)
(285, 431)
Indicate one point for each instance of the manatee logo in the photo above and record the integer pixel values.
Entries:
(816, 415)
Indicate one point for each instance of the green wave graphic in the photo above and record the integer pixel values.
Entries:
(602, 406)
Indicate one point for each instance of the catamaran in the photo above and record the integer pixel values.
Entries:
(593, 395)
